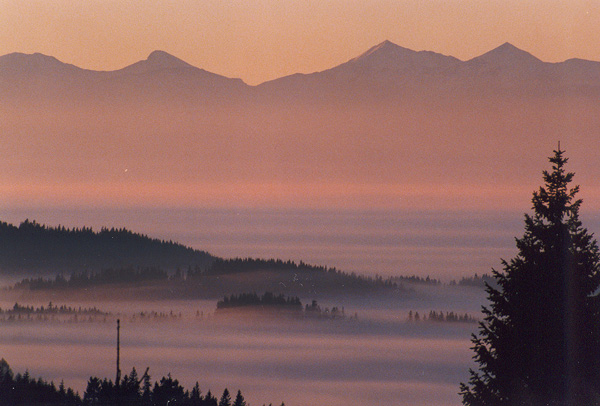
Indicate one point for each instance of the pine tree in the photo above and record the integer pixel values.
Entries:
(539, 341)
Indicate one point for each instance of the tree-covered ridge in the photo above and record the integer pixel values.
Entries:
(303, 274)
(280, 303)
(267, 300)
(52, 312)
(435, 316)
(475, 281)
(88, 279)
(235, 265)
(131, 390)
(35, 247)
(416, 280)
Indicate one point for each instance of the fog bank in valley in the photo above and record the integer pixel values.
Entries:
(379, 357)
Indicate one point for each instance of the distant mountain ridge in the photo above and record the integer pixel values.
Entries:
(368, 132)
(157, 60)
(384, 66)
(506, 55)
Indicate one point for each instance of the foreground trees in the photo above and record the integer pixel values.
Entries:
(539, 343)
(23, 390)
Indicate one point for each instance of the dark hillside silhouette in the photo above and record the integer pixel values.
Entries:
(286, 277)
(79, 280)
(270, 303)
(539, 343)
(38, 248)
(267, 300)
(221, 277)
(23, 390)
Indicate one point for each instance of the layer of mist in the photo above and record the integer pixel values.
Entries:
(379, 358)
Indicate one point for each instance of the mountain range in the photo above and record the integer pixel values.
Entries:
(390, 127)
(386, 70)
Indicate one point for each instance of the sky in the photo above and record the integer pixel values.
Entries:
(260, 40)
(461, 157)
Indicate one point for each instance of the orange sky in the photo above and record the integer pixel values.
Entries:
(353, 162)
(260, 40)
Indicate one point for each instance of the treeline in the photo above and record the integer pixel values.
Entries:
(70, 314)
(23, 390)
(135, 391)
(284, 275)
(268, 300)
(289, 305)
(90, 279)
(304, 274)
(314, 311)
(52, 309)
(35, 247)
(476, 281)
(414, 279)
(440, 316)
(242, 265)
(53, 313)
(131, 390)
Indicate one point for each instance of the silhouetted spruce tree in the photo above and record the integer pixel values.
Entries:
(169, 391)
(225, 398)
(195, 395)
(239, 399)
(210, 399)
(539, 341)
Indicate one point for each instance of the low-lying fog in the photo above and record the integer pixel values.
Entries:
(380, 358)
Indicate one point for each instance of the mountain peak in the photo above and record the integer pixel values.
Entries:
(156, 61)
(388, 55)
(34, 63)
(385, 45)
(506, 54)
(385, 49)
(163, 59)
(508, 46)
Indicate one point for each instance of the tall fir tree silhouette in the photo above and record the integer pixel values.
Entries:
(239, 399)
(539, 341)
(225, 398)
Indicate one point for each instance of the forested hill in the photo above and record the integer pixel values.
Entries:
(37, 248)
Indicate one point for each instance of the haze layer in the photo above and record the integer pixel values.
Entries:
(391, 128)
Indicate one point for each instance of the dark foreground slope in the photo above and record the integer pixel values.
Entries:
(35, 248)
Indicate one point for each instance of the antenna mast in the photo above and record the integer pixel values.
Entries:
(118, 380)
